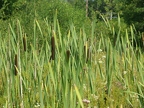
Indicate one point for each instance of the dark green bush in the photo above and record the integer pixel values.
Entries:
(42, 9)
(6, 8)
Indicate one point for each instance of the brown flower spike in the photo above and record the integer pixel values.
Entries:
(16, 64)
(24, 43)
(53, 48)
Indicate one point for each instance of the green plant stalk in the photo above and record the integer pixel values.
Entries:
(108, 68)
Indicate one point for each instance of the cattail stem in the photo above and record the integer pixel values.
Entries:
(16, 64)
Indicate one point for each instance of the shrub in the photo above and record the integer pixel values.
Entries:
(6, 8)
(42, 9)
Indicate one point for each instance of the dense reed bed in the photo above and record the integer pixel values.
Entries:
(70, 71)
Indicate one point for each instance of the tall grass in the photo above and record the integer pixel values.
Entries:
(70, 71)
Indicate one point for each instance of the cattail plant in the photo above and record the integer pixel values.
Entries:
(52, 48)
(24, 43)
(16, 64)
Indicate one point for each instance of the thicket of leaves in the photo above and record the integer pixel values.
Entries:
(6, 8)
(133, 13)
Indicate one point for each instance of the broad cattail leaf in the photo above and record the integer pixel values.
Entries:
(79, 96)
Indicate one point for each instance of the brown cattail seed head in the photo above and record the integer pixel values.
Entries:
(24, 43)
(68, 54)
(16, 64)
(53, 48)
(84, 50)
(88, 54)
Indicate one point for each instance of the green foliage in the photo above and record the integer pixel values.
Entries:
(45, 11)
(133, 13)
(109, 8)
(112, 77)
(42, 9)
(6, 8)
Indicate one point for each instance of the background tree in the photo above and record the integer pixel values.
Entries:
(133, 13)
(6, 8)
(109, 8)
